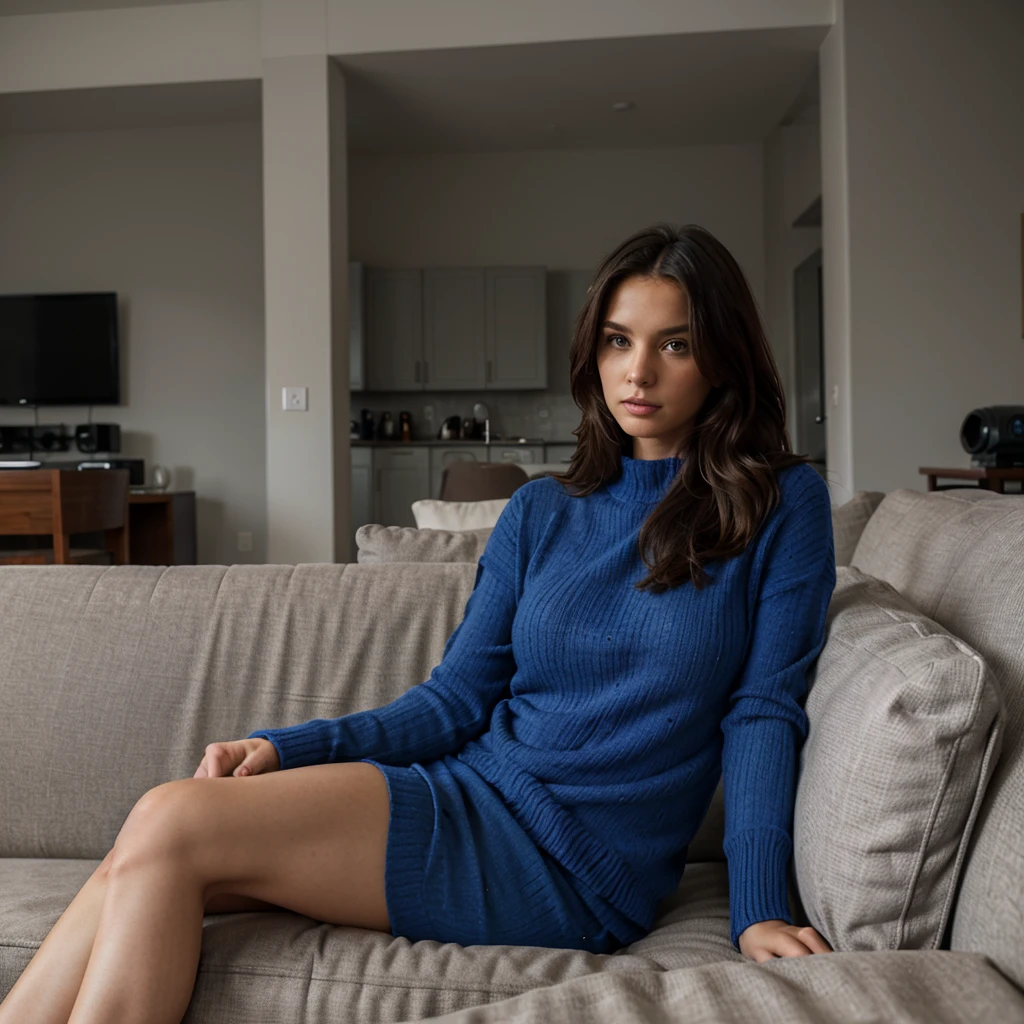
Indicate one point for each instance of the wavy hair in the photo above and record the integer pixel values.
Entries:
(727, 485)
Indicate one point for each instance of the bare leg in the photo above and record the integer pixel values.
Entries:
(146, 952)
(48, 987)
(46, 990)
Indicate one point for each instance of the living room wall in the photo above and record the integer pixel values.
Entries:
(172, 220)
(926, 154)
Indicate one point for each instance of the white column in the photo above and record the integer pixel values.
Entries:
(306, 278)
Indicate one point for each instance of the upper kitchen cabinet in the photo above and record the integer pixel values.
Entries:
(456, 329)
(454, 322)
(394, 329)
(517, 349)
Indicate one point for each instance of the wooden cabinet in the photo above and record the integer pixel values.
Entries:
(516, 340)
(454, 323)
(402, 476)
(456, 329)
(558, 452)
(524, 453)
(394, 329)
(362, 510)
(441, 457)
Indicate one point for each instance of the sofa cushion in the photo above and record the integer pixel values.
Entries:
(849, 520)
(376, 543)
(433, 514)
(898, 987)
(959, 557)
(283, 966)
(905, 727)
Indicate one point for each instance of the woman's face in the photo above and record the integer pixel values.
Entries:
(644, 349)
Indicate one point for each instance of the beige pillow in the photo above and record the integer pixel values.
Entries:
(434, 514)
(376, 543)
(849, 520)
(905, 728)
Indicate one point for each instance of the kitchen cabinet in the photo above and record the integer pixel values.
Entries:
(361, 508)
(402, 476)
(441, 457)
(454, 323)
(516, 339)
(522, 453)
(456, 329)
(558, 452)
(356, 331)
(394, 329)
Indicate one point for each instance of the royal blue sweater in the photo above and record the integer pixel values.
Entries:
(605, 715)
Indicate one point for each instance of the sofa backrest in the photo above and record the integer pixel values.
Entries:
(958, 556)
(114, 679)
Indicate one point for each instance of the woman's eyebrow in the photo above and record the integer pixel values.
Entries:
(625, 330)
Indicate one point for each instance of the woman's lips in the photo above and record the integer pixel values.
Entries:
(640, 410)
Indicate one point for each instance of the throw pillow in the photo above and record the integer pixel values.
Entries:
(376, 543)
(433, 514)
(905, 728)
(849, 520)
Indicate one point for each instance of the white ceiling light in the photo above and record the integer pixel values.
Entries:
(623, 105)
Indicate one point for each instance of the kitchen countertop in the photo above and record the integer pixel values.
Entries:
(509, 442)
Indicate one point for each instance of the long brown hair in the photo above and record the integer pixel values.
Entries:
(727, 485)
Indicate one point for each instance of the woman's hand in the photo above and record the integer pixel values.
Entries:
(238, 757)
(766, 940)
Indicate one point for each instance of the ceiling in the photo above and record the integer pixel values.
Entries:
(696, 88)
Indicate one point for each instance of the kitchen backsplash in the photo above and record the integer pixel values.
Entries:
(512, 413)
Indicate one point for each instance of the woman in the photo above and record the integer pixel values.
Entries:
(638, 626)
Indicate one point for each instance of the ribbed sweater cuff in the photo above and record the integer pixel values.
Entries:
(758, 862)
(297, 745)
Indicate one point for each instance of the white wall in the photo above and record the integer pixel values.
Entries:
(792, 181)
(172, 221)
(933, 93)
(563, 209)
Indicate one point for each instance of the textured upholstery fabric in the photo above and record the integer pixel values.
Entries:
(849, 520)
(959, 558)
(432, 514)
(376, 543)
(905, 729)
(113, 680)
(899, 987)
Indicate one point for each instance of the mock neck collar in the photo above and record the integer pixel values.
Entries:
(644, 481)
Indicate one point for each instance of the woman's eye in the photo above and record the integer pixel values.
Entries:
(612, 338)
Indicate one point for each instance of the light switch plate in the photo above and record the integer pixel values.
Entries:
(295, 399)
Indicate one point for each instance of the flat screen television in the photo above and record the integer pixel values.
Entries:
(59, 349)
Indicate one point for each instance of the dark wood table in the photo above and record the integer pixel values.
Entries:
(989, 477)
(162, 528)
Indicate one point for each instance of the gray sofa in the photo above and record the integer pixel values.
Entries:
(113, 680)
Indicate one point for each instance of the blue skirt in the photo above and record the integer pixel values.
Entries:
(460, 868)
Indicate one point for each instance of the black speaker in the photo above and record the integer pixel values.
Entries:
(994, 436)
(52, 438)
(15, 439)
(98, 437)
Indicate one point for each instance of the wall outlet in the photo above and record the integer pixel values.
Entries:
(295, 399)
(245, 541)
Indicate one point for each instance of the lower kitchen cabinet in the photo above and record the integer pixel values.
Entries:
(441, 457)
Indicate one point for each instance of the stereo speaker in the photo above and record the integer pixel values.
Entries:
(98, 437)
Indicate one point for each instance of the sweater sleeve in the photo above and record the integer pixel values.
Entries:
(438, 716)
(766, 725)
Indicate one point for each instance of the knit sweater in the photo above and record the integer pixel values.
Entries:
(606, 715)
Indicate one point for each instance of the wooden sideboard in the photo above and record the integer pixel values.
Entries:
(161, 524)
